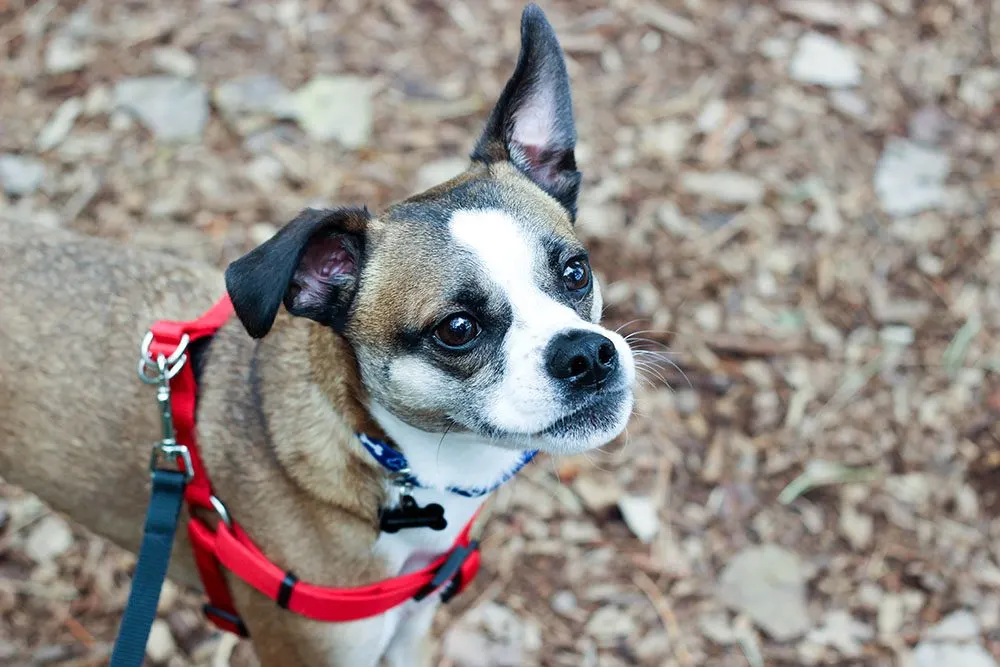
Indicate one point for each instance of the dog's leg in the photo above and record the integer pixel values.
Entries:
(411, 645)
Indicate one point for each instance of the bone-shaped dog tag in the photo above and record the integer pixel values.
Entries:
(411, 515)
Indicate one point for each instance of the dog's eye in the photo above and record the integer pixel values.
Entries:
(457, 330)
(576, 274)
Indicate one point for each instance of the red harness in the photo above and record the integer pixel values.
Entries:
(228, 547)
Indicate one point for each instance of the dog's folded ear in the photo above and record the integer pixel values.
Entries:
(311, 265)
(532, 124)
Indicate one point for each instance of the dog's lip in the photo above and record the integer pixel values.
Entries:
(597, 401)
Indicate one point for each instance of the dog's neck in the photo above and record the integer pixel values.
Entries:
(448, 460)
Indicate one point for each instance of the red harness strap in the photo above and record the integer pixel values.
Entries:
(229, 547)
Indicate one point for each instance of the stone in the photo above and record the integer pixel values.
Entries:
(717, 628)
(666, 141)
(849, 103)
(930, 654)
(250, 103)
(20, 175)
(727, 187)
(824, 61)
(64, 53)
(708, 316)
(842, 632)
(928, 125)
(980, 89)
(599, 493)
(439, 171)
(712, 116)
(768, 584)
(336, 108)
(97, 101)
(174, 109)
(60, 125)
(890, 616)
(641, 516)
(50, 538)
(265, 171)
(609, 623)
(909, 177)
(959, 626)
(160, 646)
(857, 528)
(175, 61)
(564, 603)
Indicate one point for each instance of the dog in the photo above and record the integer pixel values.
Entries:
(461, 324)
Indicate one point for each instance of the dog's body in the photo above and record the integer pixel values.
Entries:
(459, 325)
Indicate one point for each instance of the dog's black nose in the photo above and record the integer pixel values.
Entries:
(582, 358)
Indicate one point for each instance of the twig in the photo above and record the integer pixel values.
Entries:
(80, 633)
(752, 346)
(666, 614)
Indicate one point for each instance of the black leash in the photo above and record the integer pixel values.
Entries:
(151, 567)
(171, 469)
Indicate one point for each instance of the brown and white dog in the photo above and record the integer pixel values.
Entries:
(460, 324)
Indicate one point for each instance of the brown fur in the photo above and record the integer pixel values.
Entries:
(76, 425)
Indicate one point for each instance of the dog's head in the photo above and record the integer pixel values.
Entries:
(471, 306)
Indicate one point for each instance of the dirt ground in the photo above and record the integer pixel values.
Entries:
(798, 199)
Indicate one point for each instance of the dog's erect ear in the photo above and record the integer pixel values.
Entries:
(532, 123)
(311, 265)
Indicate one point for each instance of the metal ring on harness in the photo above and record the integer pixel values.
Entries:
(221, 510)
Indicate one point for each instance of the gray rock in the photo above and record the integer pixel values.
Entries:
(175, 61)
(958, 626)
(336, 108)
(250, 103)
(175, 110)
(59, 126)
(564, 603)
(843, 632)
(929, 125)
(728, 187)
(50, 537)
(980, 89)
(20, 175)
(609, 623)
(768, 585)
(822, 60)
(931, 654)
(640, 516)
(667, 141)
(64, 53)
(161, 645)
(909, 178)
(849, 103)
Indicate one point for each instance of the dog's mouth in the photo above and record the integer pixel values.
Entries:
(590, 422)
(600, 413)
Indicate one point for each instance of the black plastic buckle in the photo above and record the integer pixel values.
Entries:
(450, 573)
(236, 621)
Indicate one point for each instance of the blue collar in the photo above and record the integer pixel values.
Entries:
(395, 462)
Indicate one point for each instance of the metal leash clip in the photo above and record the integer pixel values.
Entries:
(165, 369)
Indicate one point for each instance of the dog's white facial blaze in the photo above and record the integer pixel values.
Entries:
(526, 400)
